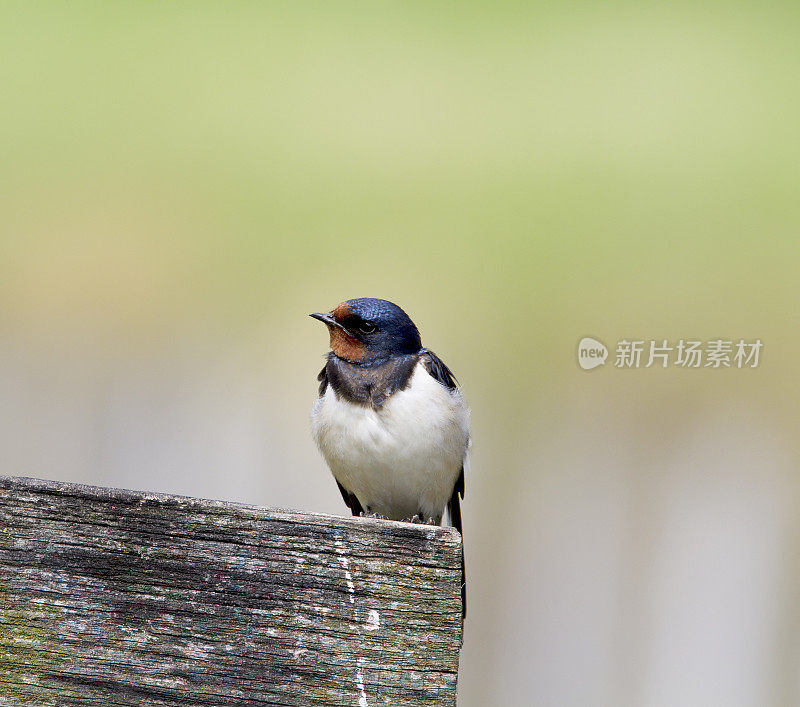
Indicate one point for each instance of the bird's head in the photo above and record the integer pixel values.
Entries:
(366, 330)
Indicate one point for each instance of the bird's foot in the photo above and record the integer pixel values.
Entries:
(373, 515)
(418, 519)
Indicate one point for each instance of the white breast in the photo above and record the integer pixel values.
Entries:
(402, 458)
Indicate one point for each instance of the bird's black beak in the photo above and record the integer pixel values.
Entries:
(327, 318)
(324, 317)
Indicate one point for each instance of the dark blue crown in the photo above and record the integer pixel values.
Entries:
(395, 332)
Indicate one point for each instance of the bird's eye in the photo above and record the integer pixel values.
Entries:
(366, 328)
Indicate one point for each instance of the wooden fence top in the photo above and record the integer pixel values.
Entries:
(113, 597)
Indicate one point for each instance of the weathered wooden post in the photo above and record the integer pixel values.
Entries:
(111, 597)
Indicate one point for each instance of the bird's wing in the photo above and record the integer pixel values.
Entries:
(323, 380)
(439, 370)
(349, 498)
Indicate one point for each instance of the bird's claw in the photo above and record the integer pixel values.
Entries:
(373, 515)
(419, 520)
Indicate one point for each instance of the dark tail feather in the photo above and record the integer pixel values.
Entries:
(454, 510)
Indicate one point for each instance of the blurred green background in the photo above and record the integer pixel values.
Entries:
(181, 183)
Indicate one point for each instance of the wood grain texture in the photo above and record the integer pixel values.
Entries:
(111, 597)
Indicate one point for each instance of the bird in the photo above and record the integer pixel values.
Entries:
(390, 419)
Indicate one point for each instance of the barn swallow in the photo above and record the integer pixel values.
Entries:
(390, 419)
